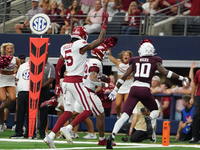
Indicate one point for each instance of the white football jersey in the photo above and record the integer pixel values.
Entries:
(74, 60)
(92, 63)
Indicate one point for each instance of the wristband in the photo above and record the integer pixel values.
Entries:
(181, 78)
(116, 88)
(104, 27)
(121, 81)
(58, 105)
(131, 128)
(169, 75)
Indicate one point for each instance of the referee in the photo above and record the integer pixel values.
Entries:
(23, 98)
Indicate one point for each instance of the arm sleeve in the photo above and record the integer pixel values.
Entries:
(94, 68)
(131, 60)
(58, 70)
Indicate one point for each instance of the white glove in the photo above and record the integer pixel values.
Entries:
(112, 95)
(186, 81)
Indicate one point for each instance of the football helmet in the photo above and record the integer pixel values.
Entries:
(146, 49)
(101, 52)
(80, 33)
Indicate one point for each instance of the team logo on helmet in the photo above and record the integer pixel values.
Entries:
(80, 33)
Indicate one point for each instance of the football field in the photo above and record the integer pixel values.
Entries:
(84, 144)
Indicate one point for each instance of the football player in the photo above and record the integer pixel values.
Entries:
(143, 68)
(74, 55)
(92, 80)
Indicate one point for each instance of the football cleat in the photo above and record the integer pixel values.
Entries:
(149, 125)
(109, 142)
(104, 142)
(67, 134)
(3, 127)
(90, 136)
(49, 142)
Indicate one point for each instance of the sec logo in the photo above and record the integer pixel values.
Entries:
(40, 23)
(25, 74)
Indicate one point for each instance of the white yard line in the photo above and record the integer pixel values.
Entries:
(128, 145)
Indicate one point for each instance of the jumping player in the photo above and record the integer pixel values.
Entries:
(143, 68)
(92, 74)
(73, 54)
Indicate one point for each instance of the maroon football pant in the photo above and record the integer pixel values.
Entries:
(142, 94)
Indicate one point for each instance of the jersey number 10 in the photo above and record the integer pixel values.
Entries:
(142, 70)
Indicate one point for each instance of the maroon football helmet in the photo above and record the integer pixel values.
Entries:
(101, 52)
(80, 33)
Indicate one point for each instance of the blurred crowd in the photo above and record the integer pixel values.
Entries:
(66, 15)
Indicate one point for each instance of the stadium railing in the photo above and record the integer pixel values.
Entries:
(158, 24)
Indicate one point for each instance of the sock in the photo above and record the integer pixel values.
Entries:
(52, 135)
(70, 127)
(61, 121)
(5, 121)
(101, 138)
(154, 114)
(14, 122)
(81, 117)
(119, 123)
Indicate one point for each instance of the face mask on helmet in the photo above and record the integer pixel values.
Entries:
(101, 52)
(146, 49)
(80, 33)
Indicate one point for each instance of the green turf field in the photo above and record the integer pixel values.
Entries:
(80, 143)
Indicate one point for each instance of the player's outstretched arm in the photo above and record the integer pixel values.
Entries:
(95, 81)
(170, 74)
(59, 65)
(102, 35)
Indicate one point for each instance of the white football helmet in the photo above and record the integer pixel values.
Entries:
(146, 49)
(101, 52)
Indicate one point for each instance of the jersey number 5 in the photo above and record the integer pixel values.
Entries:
(142, 70)
(69, 59)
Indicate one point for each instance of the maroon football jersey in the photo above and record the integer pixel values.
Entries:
(144, 67)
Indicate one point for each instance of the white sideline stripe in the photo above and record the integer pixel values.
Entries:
(128, 145)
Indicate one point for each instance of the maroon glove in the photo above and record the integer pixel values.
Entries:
(105, 16)
(57, 90)
(50, 103)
